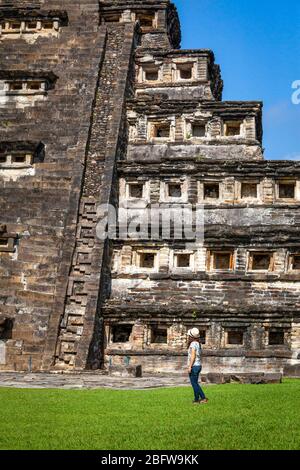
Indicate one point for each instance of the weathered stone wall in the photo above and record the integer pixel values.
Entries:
(63, 124)
(147, 113)
(158, 19)
(229, 176)
(194, 72)
(40, 203)
(237, 298)
(81, 316)
(182, 135)
(105, 109)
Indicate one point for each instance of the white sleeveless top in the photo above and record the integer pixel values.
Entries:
(196, 346)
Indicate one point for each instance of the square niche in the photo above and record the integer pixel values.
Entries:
(121, 333)
(249, 190)
(232, 128)
(174, 190)
(221, 260)
(235, 337)
(185, 71)
(159, 335)
(211, 191)
(198, 130)
(261, 261)
(136, 190)
(287, 191)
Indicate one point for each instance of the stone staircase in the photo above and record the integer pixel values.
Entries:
(84, 281)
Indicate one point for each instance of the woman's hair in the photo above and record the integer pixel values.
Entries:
(192, 340)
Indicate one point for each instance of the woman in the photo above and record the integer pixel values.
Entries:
(194, 364)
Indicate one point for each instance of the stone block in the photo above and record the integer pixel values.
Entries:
(214, 378)
(122, 371)
(292, 371)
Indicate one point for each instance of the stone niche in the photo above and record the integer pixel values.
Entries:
(158, 334)
(137, 259)
(220, 260)
(184, 70)
(182, 261)
(7, 240)
(159, 345)
(139, 191)
(195, 129)
(124, 336)
(6, 331)
(199, 127)
(134, 193)
(18, 159)
(233, 128)
(174, 190)
(287, 190)
(150, 71)
(158, 22)
(30, 24)
(148, 20)
(294, 262)
(24, 88)
(6, 328)
(161, 130)
(260, 261)
(139, 335)
(180, 75)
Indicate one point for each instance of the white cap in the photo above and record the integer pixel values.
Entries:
(194, 333)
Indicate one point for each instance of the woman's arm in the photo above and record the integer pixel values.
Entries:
(193, 358)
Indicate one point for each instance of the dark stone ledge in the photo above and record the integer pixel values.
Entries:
(33, 14)
(257, 168)
(134, 307)
(49, 77)
(205, 353)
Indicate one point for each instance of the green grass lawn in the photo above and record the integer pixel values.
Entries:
(237, 417)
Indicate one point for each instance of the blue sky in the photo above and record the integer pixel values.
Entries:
(257, 44)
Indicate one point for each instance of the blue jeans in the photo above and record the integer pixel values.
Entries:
(194, 378)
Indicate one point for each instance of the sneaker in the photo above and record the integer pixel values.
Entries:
(196, 402)
(204, 401)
